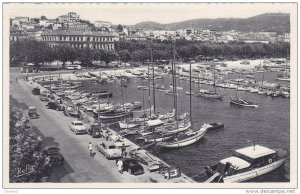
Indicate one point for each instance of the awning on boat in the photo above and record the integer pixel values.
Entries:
(238, 163)
(255, 152)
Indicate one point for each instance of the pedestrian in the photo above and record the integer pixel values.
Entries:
(123, 149)
(120, 166)
(90, 147)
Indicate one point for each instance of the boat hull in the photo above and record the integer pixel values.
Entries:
(254, 173)
(183, 143)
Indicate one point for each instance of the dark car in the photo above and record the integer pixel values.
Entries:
(55, 156)
(95, 130)
(36, 91)
(55, 106)
(132, 166)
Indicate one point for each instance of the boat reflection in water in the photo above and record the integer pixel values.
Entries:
(245, 164)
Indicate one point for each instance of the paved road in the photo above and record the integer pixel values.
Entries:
(79, 167)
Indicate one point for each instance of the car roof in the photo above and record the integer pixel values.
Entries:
(31, 107)
(77, 122)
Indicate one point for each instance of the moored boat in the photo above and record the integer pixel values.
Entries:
(184, 139)
(241, 102)
(245, 164)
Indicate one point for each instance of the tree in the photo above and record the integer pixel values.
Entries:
(107, 56)
(65, 53)
(120, 28)
(43, 17)
(124, 55)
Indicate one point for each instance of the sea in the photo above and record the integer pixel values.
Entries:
(268, 125)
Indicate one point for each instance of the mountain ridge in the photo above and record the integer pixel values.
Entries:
(275, 22)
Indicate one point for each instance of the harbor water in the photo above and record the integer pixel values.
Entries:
(268, 125)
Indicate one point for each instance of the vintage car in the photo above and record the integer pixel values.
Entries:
(55, 156)
(132, 166)
(109, 150)
(78, 127)
(32, 113)
(36, 91)
(44, 97)
(72, 112)
(95, 130)
(55, 106)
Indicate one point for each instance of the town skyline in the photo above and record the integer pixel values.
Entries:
(124, 14)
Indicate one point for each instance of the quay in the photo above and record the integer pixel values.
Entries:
(79, 167)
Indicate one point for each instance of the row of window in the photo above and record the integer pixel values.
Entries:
(77, 38)
(92, 46)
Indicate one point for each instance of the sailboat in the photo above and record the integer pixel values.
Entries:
(118, 112)
(211, 94)
(241, 102)
(286, 77)
(169, 128)
(185, 138)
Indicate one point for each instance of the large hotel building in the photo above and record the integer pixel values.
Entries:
(94, 40)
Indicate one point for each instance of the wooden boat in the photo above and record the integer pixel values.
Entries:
(241, 102)
(215, 126)
(116, 114)
(188, 93)
(209, 94)
(245, 164)
(184, 139)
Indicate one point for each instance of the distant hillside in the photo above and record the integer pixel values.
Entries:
(276, 22)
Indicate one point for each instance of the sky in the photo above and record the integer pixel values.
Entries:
(132, 13)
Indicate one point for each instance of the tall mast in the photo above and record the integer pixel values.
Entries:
(99, 110)
(149, 91)
(262, 81)
(175, 85)
(215, 79)
(191, 90)
(122, 93)
(153, 88)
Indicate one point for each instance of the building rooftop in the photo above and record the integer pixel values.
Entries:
(74, 33)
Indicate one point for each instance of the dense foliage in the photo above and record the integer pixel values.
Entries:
(140, 51)
(26, 161)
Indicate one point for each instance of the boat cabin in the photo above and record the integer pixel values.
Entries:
(246, 159)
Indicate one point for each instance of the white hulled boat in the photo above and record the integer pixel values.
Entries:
(245, 164)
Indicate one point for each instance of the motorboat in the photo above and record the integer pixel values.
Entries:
(188, 93)
(209, 94)
(102, 94)
(215, 126)
(287, 79)
(254, 90)
(241, 102)
(184, 139)
(245, 164)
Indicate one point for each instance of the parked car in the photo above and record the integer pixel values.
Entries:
(55, 106)
(36, 91)
(44, 97)
(78, 127)
(109, 150)
(72, 111)
(95, 130)
(56, 157)
(132, 166)
(32, 113)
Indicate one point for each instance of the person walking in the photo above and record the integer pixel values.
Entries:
(120, 166)
(90, 147)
